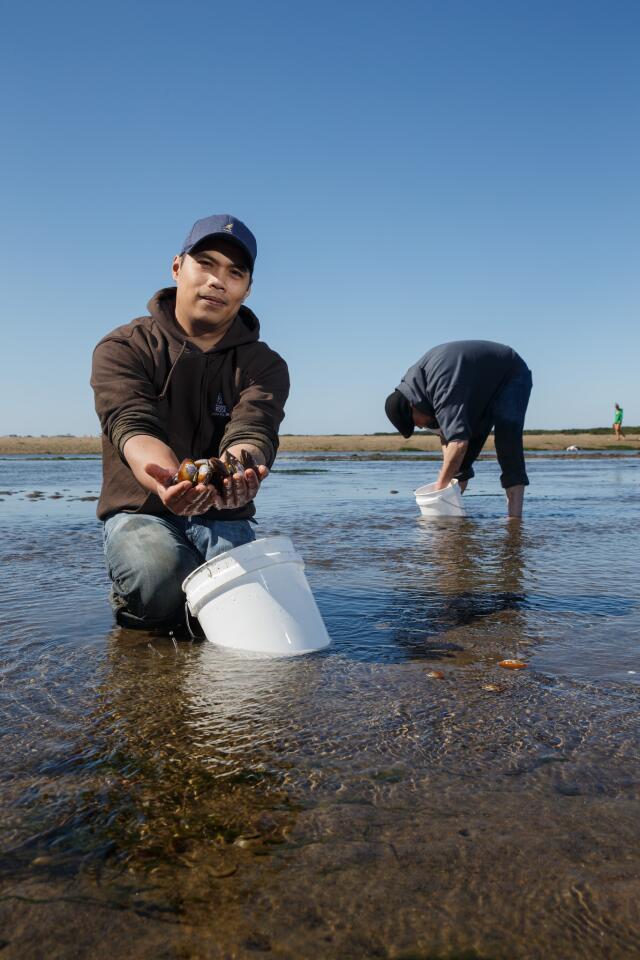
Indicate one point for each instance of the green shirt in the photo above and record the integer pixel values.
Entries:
(618, 416)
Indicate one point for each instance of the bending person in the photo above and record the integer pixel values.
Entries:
(464, 389)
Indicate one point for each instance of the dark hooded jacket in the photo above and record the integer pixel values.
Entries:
(458, 382)
(149, 379)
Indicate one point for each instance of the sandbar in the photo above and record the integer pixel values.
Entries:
(331, 443)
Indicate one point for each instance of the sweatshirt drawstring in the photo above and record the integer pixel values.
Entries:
(163, 392)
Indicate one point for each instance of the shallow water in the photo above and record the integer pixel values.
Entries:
(165, 799)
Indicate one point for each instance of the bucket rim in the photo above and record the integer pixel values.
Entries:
(236, 554)
(221, 573)
(426, 491)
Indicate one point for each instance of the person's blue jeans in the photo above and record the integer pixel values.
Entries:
(148, 558)
(507, 419)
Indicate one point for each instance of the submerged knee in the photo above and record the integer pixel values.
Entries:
(147, 568)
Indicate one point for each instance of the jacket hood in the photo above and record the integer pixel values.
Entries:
(162, 308)
(415, 393)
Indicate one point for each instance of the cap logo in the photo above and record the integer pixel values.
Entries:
(228, 227)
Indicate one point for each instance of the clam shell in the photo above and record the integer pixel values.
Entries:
(232, 464)
(187, 471)
(204, 472)
(219, 473)
(248, 462)
(512, 664)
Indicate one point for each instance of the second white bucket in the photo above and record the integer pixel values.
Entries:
(440, 503)
(256, 598)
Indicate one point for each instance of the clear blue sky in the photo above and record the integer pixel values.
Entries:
(414, 172)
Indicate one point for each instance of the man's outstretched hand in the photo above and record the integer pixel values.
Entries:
(185, 500)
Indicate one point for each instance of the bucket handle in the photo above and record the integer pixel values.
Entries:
(187, 618)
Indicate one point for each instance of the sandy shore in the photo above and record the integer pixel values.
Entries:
(360, 443)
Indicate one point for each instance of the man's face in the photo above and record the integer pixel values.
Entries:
(423, 419)
(212, 283)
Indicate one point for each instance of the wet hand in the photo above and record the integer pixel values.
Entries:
(186, 500)
(183, 499)
(240, 489)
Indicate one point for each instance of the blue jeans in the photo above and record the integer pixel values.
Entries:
(507, 419)
(148, 558)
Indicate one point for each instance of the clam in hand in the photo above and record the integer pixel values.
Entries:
(233, 465)
(215, 470)
(205, 471)
(219, 474)
(186, 471)
(249, 462)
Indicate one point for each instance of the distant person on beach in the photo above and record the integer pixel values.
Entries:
(617, 422)
(190, 380)
(463, 390)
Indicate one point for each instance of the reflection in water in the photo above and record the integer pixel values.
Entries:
(175, 763)
(240, 709)
(473, 574)
(177, 725)
(466, 558)
(456, 584)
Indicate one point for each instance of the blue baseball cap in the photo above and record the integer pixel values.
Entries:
(222, 225)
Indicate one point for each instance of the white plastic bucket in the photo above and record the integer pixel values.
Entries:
(256, 598)
(440, 503)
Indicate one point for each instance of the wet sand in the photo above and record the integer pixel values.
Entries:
(332, 443)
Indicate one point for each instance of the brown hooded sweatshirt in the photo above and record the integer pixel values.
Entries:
(149, 378)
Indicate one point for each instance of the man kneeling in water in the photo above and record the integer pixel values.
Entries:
(191, 379)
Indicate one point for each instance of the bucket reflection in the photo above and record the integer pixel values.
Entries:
(177, 758)
(243, 712)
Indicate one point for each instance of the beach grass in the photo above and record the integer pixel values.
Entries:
(599, 438)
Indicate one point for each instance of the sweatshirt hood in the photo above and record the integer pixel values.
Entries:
(415, 392)
(416, 397)
(162, 308)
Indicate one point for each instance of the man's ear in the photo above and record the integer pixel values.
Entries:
(175, 267)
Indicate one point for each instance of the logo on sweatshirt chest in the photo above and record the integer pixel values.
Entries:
(221, 409)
